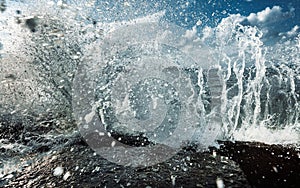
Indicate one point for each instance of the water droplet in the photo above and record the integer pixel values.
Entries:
(58, 171)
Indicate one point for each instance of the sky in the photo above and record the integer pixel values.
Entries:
(212, 11)
(272, 16)
(275, 18)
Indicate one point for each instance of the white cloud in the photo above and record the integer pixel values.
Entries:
(291, 34)
(293, 31)
(273, 22)
(269, 15)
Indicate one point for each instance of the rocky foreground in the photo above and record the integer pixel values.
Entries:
(265, 165)
(239, 164)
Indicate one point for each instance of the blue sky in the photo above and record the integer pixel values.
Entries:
(186, 13)
(275, 18)
(212, 11)
(281, 17)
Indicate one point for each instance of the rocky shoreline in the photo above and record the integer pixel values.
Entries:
(265, 165)
(233, 164)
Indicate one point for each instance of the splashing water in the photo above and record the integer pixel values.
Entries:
(260, 91)
(230, 81)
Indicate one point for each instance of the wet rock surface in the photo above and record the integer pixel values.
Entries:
(265, 165)
(43, 157)
(81, 167)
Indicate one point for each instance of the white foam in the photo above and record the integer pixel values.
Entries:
(288, 135)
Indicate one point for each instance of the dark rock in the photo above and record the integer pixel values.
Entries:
(265, 165)
(131, 140)
(235, 164)
(187, 168)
